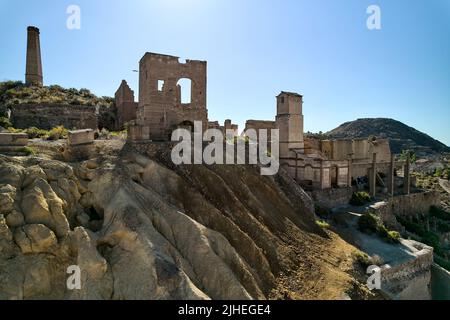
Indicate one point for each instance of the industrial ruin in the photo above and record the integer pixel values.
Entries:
(313, 163)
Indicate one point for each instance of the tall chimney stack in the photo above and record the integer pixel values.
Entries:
(33, 74)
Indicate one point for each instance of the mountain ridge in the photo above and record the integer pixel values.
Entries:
(401, 136)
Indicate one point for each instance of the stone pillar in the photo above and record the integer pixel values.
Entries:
(391, 181)
(349, 172)
(373, 177)
(321, 174)
(406, 176)
(33, 73)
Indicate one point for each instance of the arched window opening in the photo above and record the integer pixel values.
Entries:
(185, 89)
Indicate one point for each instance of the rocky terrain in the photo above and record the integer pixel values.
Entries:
(140, 228)
(401, 137)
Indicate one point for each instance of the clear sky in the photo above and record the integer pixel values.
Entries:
(254, 48)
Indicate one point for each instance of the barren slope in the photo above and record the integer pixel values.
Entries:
(142, 229)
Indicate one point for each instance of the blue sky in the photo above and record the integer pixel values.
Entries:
(254, 48)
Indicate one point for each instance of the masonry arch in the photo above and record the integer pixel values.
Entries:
(184, 90)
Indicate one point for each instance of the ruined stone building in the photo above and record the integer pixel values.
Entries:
(161, 108)
(321, 164)
(228, 125)
(33, 73)
(125, 104)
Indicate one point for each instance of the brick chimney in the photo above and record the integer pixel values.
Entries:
(33, 74)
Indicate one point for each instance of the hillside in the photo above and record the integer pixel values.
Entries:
(140, 228)
(401, 136)
(16, 92)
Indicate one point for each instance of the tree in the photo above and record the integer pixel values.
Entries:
(412, 155)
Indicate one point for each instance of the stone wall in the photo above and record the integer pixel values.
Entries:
(47, 116)
(405, 205)
(414, 203)
(331, 198)
(261, 124)
(409, 280)
(126, 106)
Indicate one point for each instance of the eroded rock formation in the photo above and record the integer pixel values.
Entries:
(141, 229)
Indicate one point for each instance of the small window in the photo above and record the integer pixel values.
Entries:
(282, 99)
(160, 85)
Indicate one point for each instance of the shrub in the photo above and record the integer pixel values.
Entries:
(365, 260)
(58, 132)
(34, 132)
(362, 258)
(439, 213)
(323, 224)
(28, 150)
(368, 223)
(5, 123)
(360, 198)
(412, 155)
(13, 130)
(438, 172)
(393, 237)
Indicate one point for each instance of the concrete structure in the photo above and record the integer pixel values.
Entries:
(33, 73)
(13, 139)
(48, 116)
(126, 106)
(161, 108)
(80, 137)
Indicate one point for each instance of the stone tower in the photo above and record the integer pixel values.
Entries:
(33, 74)
(289, 121)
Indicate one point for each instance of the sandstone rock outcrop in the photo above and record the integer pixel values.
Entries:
(140, 229)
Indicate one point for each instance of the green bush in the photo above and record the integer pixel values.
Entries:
(360, 198)
(13, 130)
(393, 237)
(368, 223)
(439, 213)
(362, 258)
(5, 123)
(427, 237)
(438, 172)
(29, 151)
(57, 133)
(412, 156)
(323, 224)
(34, 132)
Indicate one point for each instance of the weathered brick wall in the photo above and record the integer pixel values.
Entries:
(47, 116)
(126, 107)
